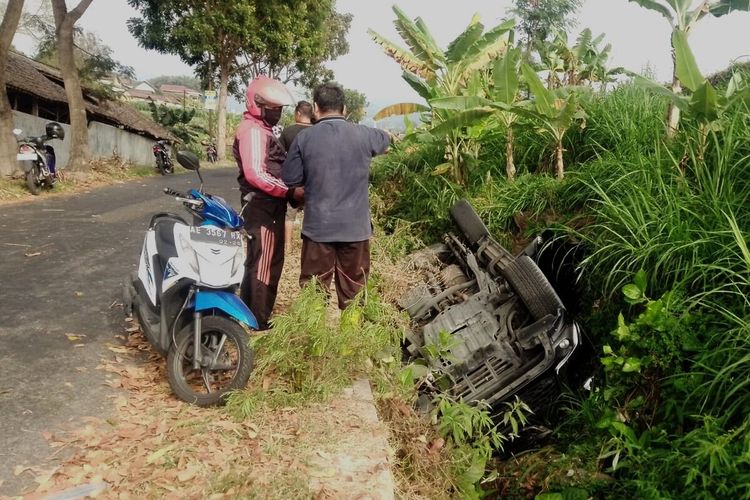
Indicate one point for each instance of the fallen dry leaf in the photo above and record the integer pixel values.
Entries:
(33, 254)
(78, 294)
(75, 337)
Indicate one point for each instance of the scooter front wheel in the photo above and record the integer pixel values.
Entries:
(226, 362)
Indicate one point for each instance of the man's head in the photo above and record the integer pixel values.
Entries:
(329, 100)
(303, 113)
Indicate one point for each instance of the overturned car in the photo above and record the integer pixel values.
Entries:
(489, 323)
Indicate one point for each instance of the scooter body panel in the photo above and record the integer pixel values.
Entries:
(228, 303)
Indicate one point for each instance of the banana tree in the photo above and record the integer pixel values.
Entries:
(584, 62)
(553, 112)
(705, 104)
(682, 17)
(434, 73)
(473, 110)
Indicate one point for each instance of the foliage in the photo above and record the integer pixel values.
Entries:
(475, 436)
(554, 112)
(176, 120)
(435, 73)
(356, 105)
(299, 37)
(705, 105)
(538, 19)
(682, 17)
(93, 57)
(583, 63)
(190, 82)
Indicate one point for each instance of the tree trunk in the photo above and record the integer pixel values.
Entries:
(673, 112)
(560, 167)
(80, 154)
(221, 139)
(510, 167)
(8, 148)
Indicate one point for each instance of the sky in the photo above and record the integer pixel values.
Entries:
(639, 38)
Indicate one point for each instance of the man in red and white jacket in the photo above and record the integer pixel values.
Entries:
(259, 157)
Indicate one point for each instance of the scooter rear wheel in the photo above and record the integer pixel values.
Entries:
(226, 365)
(31, 180)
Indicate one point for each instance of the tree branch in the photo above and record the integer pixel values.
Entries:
(76, 13)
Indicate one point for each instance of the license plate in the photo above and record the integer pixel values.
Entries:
(25, 156)
(215, 235)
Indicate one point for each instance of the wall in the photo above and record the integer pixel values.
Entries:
(104, 140)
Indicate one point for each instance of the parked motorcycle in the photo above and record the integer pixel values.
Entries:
(37, 158)
(184, 295)
(211, 153)
(163, 160)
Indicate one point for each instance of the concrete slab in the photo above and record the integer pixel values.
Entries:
(358, 466)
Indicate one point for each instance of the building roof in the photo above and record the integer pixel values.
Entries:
(32, 77)
(177, 89)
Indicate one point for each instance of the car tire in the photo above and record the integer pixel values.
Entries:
(535, 291)
(469, 222)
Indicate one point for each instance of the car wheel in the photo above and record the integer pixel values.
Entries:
(535, 291)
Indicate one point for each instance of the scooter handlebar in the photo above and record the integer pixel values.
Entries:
(172, 192)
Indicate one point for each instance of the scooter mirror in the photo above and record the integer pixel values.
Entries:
(188, 160)
(17, 131)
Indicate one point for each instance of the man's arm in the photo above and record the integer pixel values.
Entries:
(253, 151)
(293, 172)
(380, 140)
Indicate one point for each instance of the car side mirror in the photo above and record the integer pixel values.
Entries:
(188, 160)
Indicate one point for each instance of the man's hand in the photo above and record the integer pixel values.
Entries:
(299, 195)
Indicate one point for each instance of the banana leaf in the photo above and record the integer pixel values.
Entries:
(505, 76)
(685, 66)
(420, 86)
(657, 6)
(457, 48)
(484, 50)
(543, 98)
(408, 61)
(460, 103)
(467, 118)
(402, 108)
(704, 103)
(416, 40)
(723, 7)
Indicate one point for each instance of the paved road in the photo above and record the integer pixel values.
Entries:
(88, 243)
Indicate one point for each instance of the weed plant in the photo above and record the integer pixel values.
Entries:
(310, 354)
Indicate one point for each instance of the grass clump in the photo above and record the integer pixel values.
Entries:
(311, 353)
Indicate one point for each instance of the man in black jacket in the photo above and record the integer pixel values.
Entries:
(303, 115)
